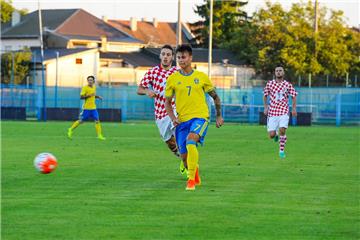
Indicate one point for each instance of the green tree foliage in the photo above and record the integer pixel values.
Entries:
(7, 9)
(288, 38)
(20, 69)
(226, 17)
(276, 36)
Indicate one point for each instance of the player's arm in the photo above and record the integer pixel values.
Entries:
(293, 112)
(99, 97)
(84, 95)
(145, 82)
(217, 102)
(145, 91)
(265, 100)
(170, 111)
(266, 107)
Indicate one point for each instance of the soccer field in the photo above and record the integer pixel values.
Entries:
(129, 186)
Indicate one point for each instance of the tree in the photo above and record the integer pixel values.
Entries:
(227, 15)
(7, 9)
(276, 36)
(16, 64)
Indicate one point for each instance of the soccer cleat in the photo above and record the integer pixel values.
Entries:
(101, 137)
(190, 186)
(183, 169)
(282, 154)
(197, 177)
(276, 138)
(69, 133)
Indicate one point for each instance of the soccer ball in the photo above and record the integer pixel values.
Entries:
(45, 162)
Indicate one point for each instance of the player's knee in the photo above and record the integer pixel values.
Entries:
(194, 137)
(171, 144)
(272, 134)
(282, 131)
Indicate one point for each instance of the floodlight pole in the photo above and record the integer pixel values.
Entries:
(43, 116)
(178, 31)
(210, 38)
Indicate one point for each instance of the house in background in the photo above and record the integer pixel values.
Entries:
(65, 28)
(117, 52)
(153, 33)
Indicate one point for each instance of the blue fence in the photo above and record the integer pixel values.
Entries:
(328, 105)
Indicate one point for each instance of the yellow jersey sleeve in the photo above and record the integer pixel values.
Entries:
(83, 91)
(169, 89)
(208, 86)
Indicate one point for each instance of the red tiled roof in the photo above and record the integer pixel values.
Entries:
(164, 33)
(82, 23)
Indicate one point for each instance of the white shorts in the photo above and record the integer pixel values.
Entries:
(276, 122)
(166, 128)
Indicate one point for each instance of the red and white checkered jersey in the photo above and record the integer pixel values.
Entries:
(279, 96)
(155, 79)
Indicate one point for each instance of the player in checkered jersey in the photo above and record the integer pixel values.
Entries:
(153, 85)
(278, 112)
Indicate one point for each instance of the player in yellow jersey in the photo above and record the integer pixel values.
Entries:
(88, 93)
(189, 86)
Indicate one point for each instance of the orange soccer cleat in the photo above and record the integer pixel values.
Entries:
(197, 177)
(190, 185)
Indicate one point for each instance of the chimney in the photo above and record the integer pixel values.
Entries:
(15, 18)
(104, 46)
(133, 24)
(155, 22)
(105, 18)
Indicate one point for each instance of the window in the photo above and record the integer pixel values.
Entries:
(78, 60)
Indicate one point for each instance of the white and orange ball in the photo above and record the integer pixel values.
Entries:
(45, 162)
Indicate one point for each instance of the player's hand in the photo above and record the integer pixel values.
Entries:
(266, 111)
(150, 93)
(219, 121)
(294, 113)
(175, 122)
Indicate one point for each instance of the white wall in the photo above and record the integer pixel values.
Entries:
(18, 44)
(71, 74)
(112, 47)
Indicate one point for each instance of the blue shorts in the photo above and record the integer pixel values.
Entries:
(195, 125)
(87, 114)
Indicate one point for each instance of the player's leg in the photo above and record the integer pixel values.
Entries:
(181, 133)
(283, 125)
(192, 159)
(167, 134)
(272, 126)
(197, 133)
(95, 116)
(82, 117)
(171, 144)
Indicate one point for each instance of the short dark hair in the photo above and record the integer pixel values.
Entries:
(91, 76)
(167, 46)
(184, 48)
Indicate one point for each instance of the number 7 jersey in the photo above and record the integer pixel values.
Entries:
(279, 97)
(189, 91)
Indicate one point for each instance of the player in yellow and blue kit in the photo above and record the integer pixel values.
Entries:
(88, 93)
(189, 86)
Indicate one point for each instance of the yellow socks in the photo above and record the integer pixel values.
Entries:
(192, 158)
(75, 125)
(98, 129)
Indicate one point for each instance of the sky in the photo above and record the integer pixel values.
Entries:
(166, 10)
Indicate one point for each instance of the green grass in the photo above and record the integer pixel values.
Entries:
(129, 187)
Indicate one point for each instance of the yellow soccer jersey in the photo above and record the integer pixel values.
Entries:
(89, 102)
(189, 91)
